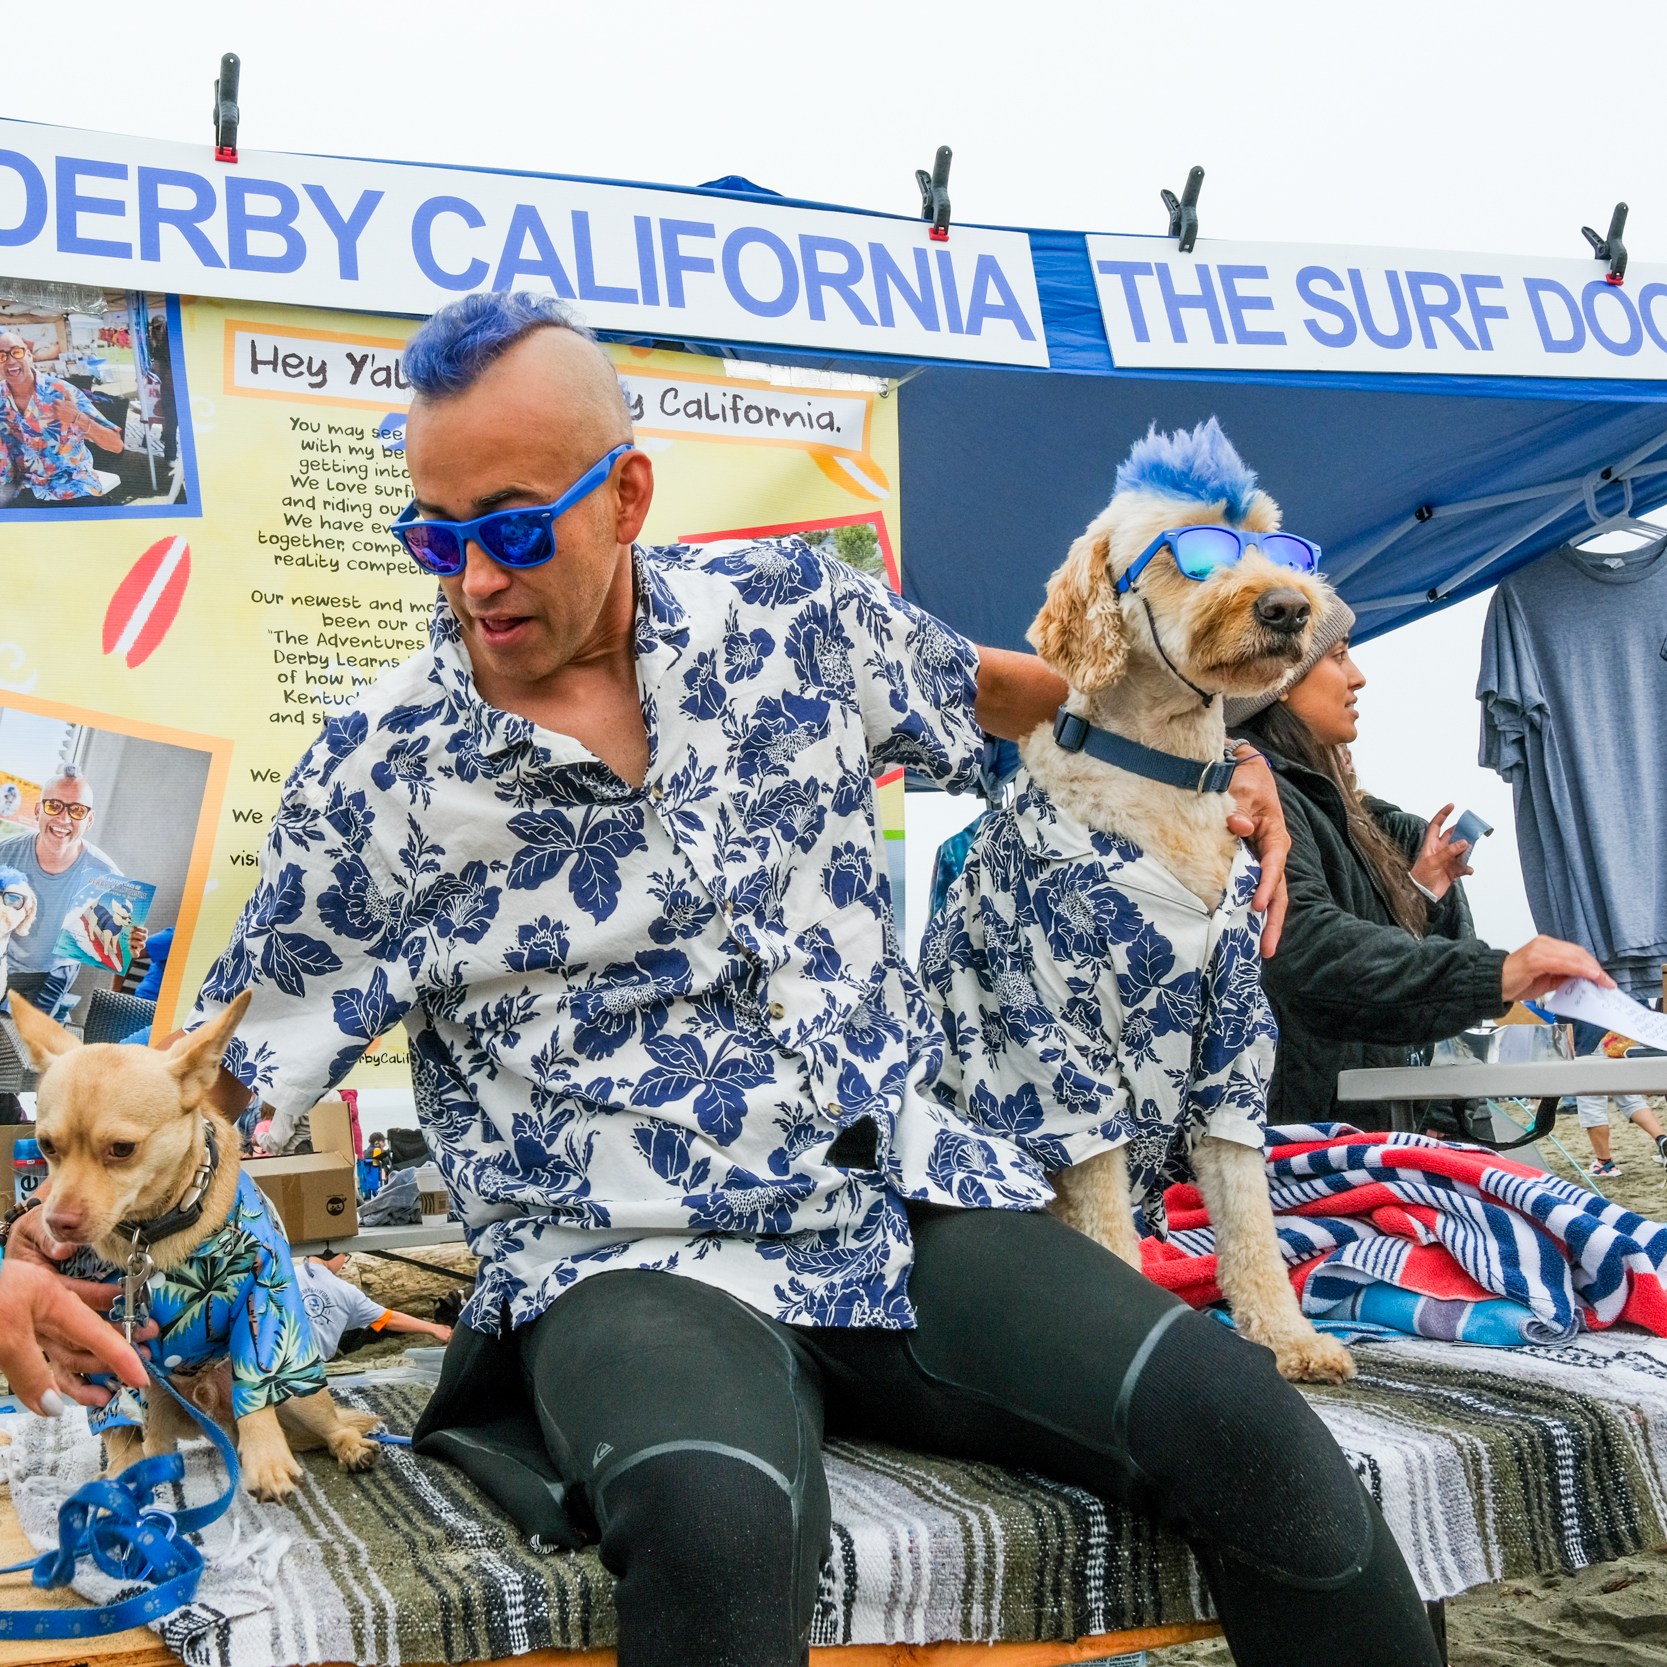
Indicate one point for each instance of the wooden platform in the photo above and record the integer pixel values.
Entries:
(139, 1647)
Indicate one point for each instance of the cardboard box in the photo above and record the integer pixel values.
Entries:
(314, 1195)
(330, 1128)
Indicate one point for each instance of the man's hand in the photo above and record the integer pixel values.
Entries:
(68, 416)
(52, 1332)
(1441, 860)
(1258, 817)
(1542, 964)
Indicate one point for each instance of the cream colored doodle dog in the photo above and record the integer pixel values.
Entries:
(1097, 967)
(145, 1177)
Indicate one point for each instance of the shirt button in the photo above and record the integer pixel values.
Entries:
(777, 1011)
(654, 793)
(834, 1108)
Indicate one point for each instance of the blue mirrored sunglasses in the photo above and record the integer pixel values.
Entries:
(1199, 551)
(513, 537)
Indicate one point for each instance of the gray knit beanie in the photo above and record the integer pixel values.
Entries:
(1334, 627)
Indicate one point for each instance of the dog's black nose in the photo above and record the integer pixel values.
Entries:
(1284, 611)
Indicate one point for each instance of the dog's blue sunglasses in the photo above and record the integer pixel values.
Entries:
(512, 537)
(13, 899)
(1199, 551)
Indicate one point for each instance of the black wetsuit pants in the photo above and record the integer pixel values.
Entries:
(690, 1428)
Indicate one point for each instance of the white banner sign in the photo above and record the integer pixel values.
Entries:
(125, 213)
(1281, 306)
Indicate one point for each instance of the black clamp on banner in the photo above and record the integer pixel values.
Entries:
(1610, 248)
(225, 108)
(1183, 211)
(934, 195)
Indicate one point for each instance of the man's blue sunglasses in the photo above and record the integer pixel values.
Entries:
(1199, 551)
(513, 537)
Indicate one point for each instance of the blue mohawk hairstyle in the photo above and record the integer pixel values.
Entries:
(1199, 463)
(458, 343)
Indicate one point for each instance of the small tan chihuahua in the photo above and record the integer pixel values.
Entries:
(144, 1176)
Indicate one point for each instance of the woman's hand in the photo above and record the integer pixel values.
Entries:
(1542, 964)
(52, 1328)
(1441, 861)
(52, 1332)
(1257, 817)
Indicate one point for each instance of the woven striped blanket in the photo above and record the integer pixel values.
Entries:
(1489, 1464)
(1451, 1222)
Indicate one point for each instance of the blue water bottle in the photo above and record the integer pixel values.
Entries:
(28, 1169)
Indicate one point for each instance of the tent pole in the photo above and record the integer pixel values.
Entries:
(1570, 494)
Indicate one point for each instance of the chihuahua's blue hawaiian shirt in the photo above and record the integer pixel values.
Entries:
(664, 1027)
(234, 1296)
(1090, 1000)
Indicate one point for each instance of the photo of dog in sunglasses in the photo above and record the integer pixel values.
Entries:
(18, 908)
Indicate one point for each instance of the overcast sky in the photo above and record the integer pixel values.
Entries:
(1486, 126)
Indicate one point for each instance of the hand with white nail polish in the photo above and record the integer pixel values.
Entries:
(48, 1320)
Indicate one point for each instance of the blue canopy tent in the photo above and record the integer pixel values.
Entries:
(1420, 492)
(1421, 489)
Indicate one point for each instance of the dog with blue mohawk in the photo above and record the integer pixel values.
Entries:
(1097, 968)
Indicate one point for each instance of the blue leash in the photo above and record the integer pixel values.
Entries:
(114, 1521)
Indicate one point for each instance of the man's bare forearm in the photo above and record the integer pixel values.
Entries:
(1016, 692)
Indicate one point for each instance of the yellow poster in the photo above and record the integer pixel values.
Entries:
(198, 569)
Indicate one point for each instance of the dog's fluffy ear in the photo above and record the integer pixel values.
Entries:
(195, 1059)
(1079, 631)
(43, 1038)
(30, 909)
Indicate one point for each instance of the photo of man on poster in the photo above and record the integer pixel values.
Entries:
(47, 428)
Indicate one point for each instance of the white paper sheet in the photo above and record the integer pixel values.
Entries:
(1579, 998)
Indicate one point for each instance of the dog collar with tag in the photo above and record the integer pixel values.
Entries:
(189, 1210)
(1076, 734)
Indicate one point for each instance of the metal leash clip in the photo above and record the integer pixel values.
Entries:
(136, 1278)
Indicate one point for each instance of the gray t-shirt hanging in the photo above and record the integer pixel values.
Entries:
(1574, 715)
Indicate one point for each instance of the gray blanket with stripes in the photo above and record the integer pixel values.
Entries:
(1489, 1464)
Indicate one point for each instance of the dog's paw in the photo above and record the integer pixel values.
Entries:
(1314, 1359)
(272, 1477)
(351, 1449)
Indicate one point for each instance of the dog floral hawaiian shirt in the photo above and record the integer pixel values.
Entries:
(53, 461)
(235, 1295)
(663, 1027)
(1091, 1001)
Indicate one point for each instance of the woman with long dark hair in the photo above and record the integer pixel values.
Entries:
(1378, 957)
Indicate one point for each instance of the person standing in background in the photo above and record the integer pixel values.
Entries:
(1378, 955)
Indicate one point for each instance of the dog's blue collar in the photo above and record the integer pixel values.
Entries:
(1076, 734)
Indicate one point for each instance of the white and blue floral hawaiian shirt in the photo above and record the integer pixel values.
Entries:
(1091, 1001)
(641, 1018)
(235, 1296)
